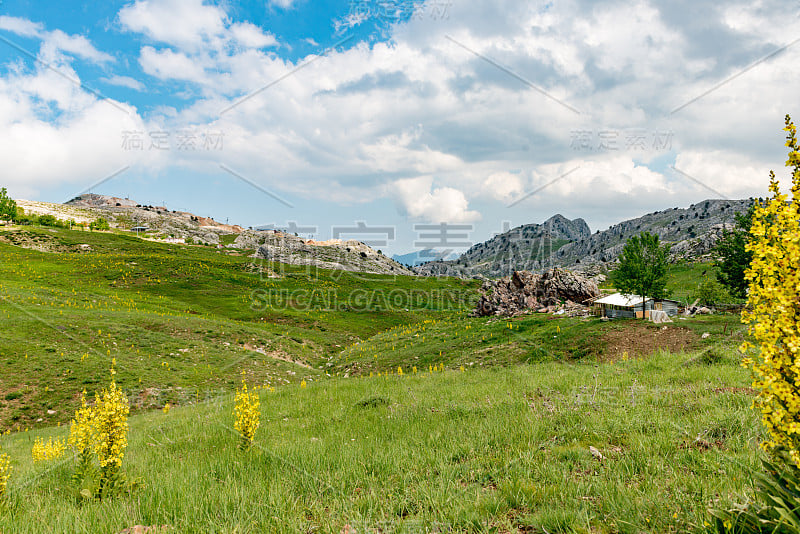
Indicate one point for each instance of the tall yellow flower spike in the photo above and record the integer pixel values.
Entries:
(52, 450)
(773, 309)
(247, 415)
(111, 426)
(5, 472)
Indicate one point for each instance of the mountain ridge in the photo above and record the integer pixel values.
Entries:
(559, 242)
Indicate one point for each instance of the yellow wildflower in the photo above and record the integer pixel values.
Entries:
(773, 308)
(5, 472)
(51, 450)
(247, 413)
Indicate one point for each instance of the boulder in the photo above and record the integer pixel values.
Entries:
(524, 291)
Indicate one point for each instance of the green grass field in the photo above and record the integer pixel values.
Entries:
(381, 439)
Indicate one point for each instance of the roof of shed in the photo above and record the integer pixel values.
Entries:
(621, 299)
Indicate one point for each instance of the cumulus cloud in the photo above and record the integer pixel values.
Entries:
(168, 65)
(251, 36)
(503, 186)
(55, 42)
(188, 24)
(420, 200)
(472, 99)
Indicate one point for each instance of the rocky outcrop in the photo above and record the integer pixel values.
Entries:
(90, 200)
(674, 226)
(701, 247)
(524, 291)
(353, 256)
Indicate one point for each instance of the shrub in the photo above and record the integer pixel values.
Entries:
(773, 310)
(101, 429)
(48, 220)
(99, 224)
(773, 315)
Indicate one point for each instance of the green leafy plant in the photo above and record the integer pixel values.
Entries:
(734, 256)
(99, 224)
(642, 267)
(709, 292)
(8, 207)
(776, 508)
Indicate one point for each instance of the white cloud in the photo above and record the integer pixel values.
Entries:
(125, 81)
(20, 26)
(54, 42)
(251, 36)
(380, 120)
(166, 64)
(284, 4)
(503, 186)
(419, 200)
(725, 174)
(58, 41)
(187, 24)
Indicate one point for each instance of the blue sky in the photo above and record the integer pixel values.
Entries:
(393, 112)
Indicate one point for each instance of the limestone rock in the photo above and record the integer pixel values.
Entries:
(554, 290)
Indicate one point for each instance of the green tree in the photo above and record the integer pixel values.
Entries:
(48, 220)
(734, 257)
(99, 224)
(709, 292)
(642, 267)
(8, 208)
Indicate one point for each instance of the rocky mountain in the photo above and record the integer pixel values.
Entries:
(161, 222)
(272, 245)
(692, 233)
(528, 247)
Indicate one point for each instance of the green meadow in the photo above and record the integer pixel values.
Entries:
(414, 417)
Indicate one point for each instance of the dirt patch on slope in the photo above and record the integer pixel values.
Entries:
(637, 340)
(277, 354)
(40, 242)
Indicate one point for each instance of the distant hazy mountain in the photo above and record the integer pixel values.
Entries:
(422, 256)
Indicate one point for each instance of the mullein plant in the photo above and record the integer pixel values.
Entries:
(5, 472)
(773, 316)
(247, 415)
(100, 431)
(52, 450)
(111, 427)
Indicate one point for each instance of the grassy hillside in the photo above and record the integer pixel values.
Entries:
(414, 417)
(492, 450)
(180, 321)
(479, 342)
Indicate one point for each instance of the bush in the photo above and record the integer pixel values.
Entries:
(48, 220)
(709, 292)
(99, 224)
